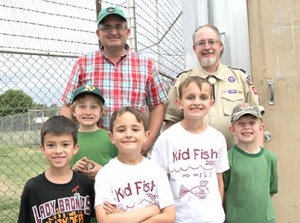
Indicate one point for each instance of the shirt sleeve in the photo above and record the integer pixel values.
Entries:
(252, 94)
(222, 161)
(226, 178)
(165, 195)
(274, 176)
(102, 189)
(157, 89)
(159, 152)
(25, 209)
(91, 191)
(173, 113)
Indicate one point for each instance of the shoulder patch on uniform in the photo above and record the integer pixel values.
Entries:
(249, 80)
(254, 90)
(186, 71)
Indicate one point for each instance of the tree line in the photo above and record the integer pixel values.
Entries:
(13, 102)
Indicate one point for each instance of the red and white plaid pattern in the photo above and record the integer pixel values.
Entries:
(133, 81)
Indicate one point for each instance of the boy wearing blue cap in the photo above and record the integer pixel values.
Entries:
(252, 179)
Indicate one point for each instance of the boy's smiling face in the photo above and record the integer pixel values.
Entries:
(87, 112)
(247, 128)
(59, 150)
(195, 102)
(128, 134)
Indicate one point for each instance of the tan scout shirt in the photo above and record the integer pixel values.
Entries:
(231, 88)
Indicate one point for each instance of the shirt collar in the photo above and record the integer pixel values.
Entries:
(122, 56)
(218, 74)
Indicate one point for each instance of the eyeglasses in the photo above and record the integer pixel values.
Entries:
(210, 42)
(108, 28)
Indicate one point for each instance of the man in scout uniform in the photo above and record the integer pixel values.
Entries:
(230, 86)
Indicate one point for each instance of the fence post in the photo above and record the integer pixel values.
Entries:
(132, 25)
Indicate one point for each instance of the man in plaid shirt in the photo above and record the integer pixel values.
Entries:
(124, 77)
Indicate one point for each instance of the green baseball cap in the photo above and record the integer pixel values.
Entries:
(245, 109)
(110, 11)
(87, 89)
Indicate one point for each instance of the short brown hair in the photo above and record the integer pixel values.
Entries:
(193, 79)
(214, 28)
(59, 125)
(140, 117)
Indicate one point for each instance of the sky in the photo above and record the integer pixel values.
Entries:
(65, 27)
(40, 26)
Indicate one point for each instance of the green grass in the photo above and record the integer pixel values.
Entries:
(20, 138)
(17, 165)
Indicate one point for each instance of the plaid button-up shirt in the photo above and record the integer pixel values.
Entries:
(134, 81)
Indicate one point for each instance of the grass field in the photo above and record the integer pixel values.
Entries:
(17, 165)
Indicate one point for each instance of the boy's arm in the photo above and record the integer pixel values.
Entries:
(156, 117)
(66, 111)
(135, 216)
(167, 215)
(23, 216)
(221, 185)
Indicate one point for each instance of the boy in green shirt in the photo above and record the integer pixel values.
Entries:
(252, 179)
(96, 148)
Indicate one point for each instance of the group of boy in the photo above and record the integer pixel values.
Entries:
(191, 176)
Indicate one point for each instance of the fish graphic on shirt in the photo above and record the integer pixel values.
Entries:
(199, 191)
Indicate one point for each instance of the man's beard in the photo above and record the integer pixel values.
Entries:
(207, 62)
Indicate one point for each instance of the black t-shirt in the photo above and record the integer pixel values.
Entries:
(44, 201)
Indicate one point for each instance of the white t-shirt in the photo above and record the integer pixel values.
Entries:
(192, 160)
(133, 186)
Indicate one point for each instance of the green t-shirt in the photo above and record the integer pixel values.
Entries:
(96, 146)
(249, 184)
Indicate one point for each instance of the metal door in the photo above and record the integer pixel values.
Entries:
(274, 29)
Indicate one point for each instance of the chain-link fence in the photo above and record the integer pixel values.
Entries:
(39, 41)
(24, 129)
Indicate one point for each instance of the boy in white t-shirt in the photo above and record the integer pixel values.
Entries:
(194, 155)
(132, 188)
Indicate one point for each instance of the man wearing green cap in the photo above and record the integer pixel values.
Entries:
(124, 77)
